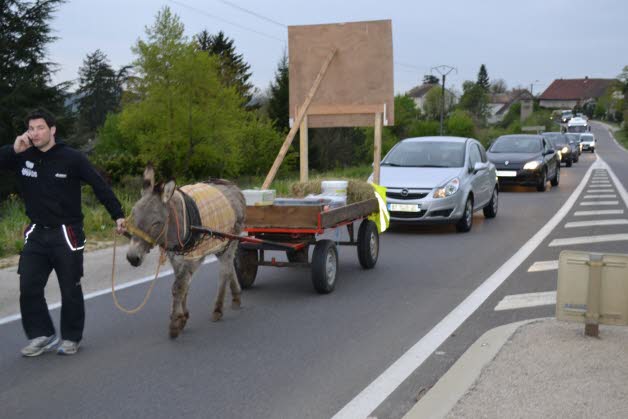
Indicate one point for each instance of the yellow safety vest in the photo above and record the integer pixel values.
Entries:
(381, 218)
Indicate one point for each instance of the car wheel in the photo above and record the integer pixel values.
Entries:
(592, 149)
(368, 244)
(541, 186)
(556, 179)
(490, 210)
(576, 159)
(324, 266)
(568, 163)
(466, 222)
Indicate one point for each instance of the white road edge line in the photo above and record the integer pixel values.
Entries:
(375, 393)
(533, 299)
(98, 293)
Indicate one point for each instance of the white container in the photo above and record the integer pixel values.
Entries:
(334, 187)
(259, 196)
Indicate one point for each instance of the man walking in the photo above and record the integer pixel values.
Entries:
(50, 175)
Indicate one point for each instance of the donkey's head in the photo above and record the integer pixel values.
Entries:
(149, 218)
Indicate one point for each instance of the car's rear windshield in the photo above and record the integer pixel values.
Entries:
(586, 137)
(516, 144)
(426, 154)
(574, 137)
(555, 137)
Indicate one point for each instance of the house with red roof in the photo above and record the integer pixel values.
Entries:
(569, 93)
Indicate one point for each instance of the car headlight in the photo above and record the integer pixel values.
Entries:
(565, 150)
(532, 165)
(448, 190)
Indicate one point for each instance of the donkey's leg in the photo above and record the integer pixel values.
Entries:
(227, 272)
(183, 271)
(236, 291)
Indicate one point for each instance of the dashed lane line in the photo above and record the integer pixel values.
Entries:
(589, 239)
(598, 212)
(594, 223)
(600, 196)
(589, 203)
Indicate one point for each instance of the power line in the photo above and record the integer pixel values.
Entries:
(203, 12)
(245, 10)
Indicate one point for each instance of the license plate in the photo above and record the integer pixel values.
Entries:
(506, 173)
(404, 207)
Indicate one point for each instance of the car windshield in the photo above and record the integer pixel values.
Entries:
(555, 138)
(426, 154)
(577, 128)
(516, 145)
(574, 137)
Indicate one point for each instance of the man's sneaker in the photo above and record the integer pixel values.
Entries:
(68, 347)
(40, 345)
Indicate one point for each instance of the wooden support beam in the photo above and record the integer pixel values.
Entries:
(377, 148)
(297, 123)
(303, 154)
(345, 109)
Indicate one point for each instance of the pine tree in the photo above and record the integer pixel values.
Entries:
(430, 79)
(234, 71)
(483, 80)
(279, 96)
(25, 75)
(99, 92)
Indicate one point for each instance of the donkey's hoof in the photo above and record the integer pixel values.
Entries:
(236, 304)
(174, 333)
(216, 315)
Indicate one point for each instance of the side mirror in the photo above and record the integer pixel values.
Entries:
(479, 166)
(549, 151)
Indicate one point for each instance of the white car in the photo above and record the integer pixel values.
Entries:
(588, 142)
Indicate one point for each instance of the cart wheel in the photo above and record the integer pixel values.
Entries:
(324, 266)
(298, 255)
(246, 266)
(368, 244)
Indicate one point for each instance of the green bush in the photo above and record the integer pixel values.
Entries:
(460, 124)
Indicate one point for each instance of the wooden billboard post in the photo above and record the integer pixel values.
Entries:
(359, 91)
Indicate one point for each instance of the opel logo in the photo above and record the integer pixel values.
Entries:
(506, 162)
(404, 192)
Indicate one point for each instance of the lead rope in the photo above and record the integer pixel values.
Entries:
(161, 261)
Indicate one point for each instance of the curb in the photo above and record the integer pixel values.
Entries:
(452, 386)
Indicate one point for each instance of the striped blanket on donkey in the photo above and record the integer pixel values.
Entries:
(215, 212)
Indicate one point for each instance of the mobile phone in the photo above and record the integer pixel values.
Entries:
(29, 140)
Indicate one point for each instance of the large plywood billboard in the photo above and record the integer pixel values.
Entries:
(359, 78)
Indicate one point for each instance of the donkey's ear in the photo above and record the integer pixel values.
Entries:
(168, 190)
(149, 180)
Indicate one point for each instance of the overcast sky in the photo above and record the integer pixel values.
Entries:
(522, 42)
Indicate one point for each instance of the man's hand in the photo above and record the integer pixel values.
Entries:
(22, 143)
(120, 226)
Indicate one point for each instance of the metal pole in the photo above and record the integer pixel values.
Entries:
(442, 106)
(443, 70)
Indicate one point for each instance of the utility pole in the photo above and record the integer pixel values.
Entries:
(532, 85)
(443, 70)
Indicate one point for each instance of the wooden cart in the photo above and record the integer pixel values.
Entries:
(294, 229)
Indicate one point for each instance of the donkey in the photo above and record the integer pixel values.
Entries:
(163, 216)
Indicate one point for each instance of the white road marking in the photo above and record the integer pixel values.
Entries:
(600, 196)
(376, 392)
(600, 190)
(593, 223)
(589, 239)
(533, 299)
(590, 203)
(600, 186)
(544, 265)
(95, 294)
(600, 212)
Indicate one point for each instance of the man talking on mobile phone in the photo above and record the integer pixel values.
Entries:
(50, 175)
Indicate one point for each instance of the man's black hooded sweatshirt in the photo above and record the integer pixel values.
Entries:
(51, 183)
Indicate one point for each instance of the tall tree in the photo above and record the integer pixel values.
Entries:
(474, 100)
(99, 92)
(430, 79)
(182, 118)
(279, 96)
(483, 80)
(25, 75)
(234, 71)
(498, 86)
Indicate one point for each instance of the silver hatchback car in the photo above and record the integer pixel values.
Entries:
(439, 180)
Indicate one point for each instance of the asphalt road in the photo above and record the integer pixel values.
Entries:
(290, 353)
